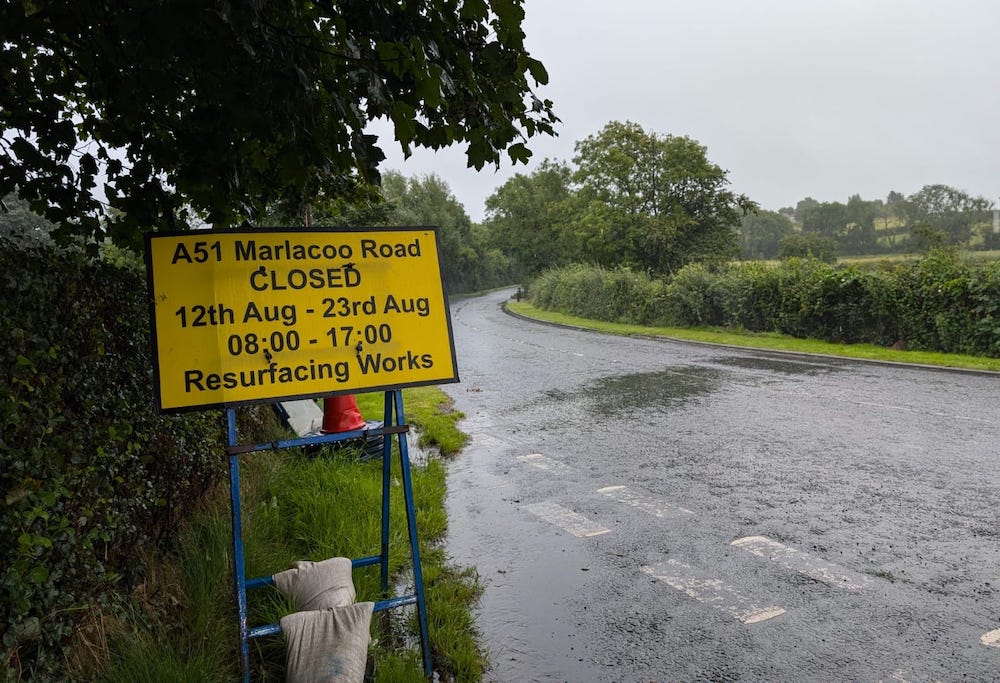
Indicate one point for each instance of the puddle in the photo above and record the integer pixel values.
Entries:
(664, 390)
(786, 367)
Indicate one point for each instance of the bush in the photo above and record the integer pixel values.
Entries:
(619, 295)
(695, 297)
(90, 475)
(753, 296)
(810, 245)
(938, 303)
(985, 308)
(843, 305)
(949, 305)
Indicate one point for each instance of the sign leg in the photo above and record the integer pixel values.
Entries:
(387, 421)
(239, 568)
(411, 525)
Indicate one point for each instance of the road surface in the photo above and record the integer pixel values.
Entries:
(643, 510)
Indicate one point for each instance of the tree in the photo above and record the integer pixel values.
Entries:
(427, 200)
(890, 214)
(761, 234)
(525, 218)
(19, 221)
(219, 109)
(895, 201)
(803, 207)
(657, 200)
(827, 218)
(808, 245)
(365, 205)
(948, 212)
(852, 225)
(925, 239)
(858, 236)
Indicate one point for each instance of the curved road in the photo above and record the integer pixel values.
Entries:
(644, 510)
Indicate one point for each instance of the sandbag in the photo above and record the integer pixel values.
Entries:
(318, 585)
(329, 645)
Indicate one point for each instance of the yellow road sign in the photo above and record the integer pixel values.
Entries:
(264, 315)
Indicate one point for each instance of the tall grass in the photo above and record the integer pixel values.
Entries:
(300, 507)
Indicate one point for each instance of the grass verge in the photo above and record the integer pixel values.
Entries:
(181, 625)
(769, 341)
(430, 409)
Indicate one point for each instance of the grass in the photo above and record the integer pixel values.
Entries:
(428, 407)
(769, 341)
(975, 256)
(182, 625)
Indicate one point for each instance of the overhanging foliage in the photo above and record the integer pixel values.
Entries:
(177, 109)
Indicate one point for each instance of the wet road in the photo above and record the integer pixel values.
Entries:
(653, 511)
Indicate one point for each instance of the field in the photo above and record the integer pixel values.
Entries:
(974, 256)
(899, 259)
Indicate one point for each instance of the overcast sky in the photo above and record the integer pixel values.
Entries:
(794, 98)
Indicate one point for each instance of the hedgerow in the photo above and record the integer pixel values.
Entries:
(939, 303)
(90, 475)
(619, 295)
(952, 306)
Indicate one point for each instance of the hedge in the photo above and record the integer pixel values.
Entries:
(90, 475)
(619, 295)
(939, 303)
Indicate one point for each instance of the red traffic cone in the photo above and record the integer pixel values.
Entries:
(341, 414)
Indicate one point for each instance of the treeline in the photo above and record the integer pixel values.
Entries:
(470, 262)
(662, 234)
(653, 202)
(939, 303)
(631, 197)
(935, 216)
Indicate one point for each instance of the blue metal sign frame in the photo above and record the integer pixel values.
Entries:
(394, 423)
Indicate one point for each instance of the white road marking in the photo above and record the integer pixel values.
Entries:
(992, 639)
(712, 592)
(644, 502)
(544, 463)
(899, 676)
(484, 439)
(566, 519)
(803, 563)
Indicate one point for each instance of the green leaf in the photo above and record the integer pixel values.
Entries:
(537, 71)
(474, 10)
(519, 152)
(510, 13)
(295, 90)
(38, 574)
(429, 90)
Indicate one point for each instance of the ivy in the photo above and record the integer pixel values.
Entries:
(89, 474)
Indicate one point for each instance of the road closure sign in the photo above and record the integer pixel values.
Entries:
(264, 315)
